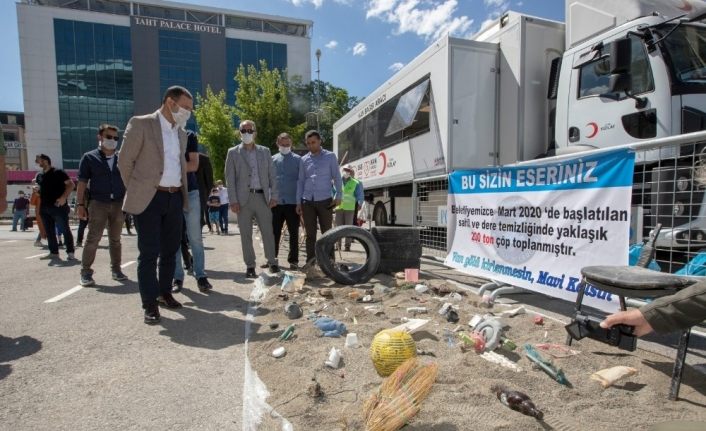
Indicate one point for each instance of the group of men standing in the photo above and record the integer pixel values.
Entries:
(154, 179)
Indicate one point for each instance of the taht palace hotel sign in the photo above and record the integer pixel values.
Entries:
(177, 25)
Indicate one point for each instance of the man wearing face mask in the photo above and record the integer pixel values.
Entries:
(286, 165)
(98, 170)
(352, 195)
(252, 192)
(153, 168)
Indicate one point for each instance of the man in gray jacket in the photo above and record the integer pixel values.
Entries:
(252, 191)
(680, 311)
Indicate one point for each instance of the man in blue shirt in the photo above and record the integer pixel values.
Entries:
(317, 174)
(286, 166)
(98, 171)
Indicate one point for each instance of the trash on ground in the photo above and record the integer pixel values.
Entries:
(334, 358)
(486, 301)
(399, 397)
(546, 365)
(421, 288)
(417, 310)
(452, 316)
(375, 309)
(497, 358)
(259, 291)
(283, 296)
(279, 352)
(517, 401)
(557, 350)
(411, 325)
(608, 376)
(326, 293)
(491, 329)
(389, 349)
(475, 320)
(314, 389)
(293, 310)
(455, 296)
(366, 299)
(513, 312)
(474, 340)
(538, 320)
(445, 308)
(399, 275)
(287, 334)
(411, 274)
(352, 340)
(274, 326)
(330, 327)
(354, 295)
(293, 281)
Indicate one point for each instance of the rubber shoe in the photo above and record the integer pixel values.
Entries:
(152, 315)
(119, 276)
(250, 273)
(87, 280)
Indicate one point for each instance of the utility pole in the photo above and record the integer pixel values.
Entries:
(318, 79)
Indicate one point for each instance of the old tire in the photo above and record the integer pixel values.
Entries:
(324, 249)
(380, 214)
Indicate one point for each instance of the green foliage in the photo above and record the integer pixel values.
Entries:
(262, 98)
(216, 132)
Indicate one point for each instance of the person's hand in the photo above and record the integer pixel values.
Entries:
(235, 208)
(299, 209)
(273, 203)
(631, 317)
(81, 212)
(336, 202)
(61, 201)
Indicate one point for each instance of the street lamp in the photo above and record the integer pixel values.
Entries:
(318, 78)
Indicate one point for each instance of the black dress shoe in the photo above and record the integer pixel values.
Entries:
(250, 273)
(167, 300)
(152, 314)
(264, 266)
(203, 284)
(274, 269)
(177, 285)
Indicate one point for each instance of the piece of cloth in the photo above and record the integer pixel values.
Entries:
(251, 158)
(158, 237)
(345, 218)
(239, 174)
(330, 327)
(256, 208)
(105, 183)
(193, 233)
(142, 162)
(317, 175)
(171, 176)
(288, 214)
(52, 185)
(192, 146)
(57, 218)
(102, 215)
(680, 311)
(316, 214)
(287, 174)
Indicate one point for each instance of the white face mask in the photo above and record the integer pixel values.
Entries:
(247, 138)
(109, 144)
(285, 150)
(181, 117)
(346, 175)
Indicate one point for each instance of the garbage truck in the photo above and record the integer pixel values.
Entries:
(525, 87)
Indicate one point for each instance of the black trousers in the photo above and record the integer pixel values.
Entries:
(158, 237)
(316, 213)
(288, 214)
(55, 217)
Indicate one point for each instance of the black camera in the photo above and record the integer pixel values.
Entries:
(620, 336)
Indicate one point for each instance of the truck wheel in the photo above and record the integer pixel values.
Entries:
(324, 250)
(380, 214)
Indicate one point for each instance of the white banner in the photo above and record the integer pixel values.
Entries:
(536, 226)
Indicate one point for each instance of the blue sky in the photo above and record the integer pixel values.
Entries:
(363, 42)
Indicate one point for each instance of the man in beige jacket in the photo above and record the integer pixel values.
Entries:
(153, 168)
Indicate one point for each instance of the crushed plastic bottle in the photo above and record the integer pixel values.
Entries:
(517, 401)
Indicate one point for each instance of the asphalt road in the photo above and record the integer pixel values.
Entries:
(86, 361)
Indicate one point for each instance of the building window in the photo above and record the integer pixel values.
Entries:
(180, 63)
(94, 76)
(110, 6)
(249, 53)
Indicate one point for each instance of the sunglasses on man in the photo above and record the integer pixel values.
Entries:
(247, 131)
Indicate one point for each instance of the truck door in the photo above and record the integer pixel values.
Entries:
(601, 119)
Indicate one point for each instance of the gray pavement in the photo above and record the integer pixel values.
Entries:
(88, 362)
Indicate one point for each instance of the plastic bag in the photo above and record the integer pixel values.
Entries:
(293, 281)
(330, 327)
(363, 212)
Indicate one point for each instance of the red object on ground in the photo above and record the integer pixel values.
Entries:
(538, 320)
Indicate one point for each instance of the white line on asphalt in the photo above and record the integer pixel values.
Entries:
(64, 295)
(125, 265)
(7, 242)
(36, 255)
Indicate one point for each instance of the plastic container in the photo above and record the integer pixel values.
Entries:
(279, 352)
(417, 310)
(352, 340)
(411, 274)
(334, 358)
(420, 288)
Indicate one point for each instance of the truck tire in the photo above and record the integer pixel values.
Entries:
(324, 249)
(380, 214)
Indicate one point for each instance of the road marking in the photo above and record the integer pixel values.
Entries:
(8, 242)
(64, 295)
(125, 265)
(36, 255)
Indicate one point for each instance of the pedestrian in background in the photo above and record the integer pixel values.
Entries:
(35, 201)
(318, 172)
(352, 197)
(214, 209)
(225, 207)
(153, 168)
(252, 192)
(286, 164)
(204, 176)
(98, 171)
(54, 189)
(20, 211)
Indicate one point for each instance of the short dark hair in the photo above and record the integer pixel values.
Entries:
(175, 92)
(311, 133)
(45, 157)
(105, 126)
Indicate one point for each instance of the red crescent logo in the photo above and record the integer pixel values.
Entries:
(595, 130)
(686, 6)
(384, 162)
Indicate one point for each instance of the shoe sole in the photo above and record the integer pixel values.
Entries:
(170, 307)
(152, 322)
(93, 283)
(120, 278)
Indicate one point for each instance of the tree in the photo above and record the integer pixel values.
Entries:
(216, 132)
(262, 98)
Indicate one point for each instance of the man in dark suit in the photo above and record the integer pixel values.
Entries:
(153, 168)
(204, 176)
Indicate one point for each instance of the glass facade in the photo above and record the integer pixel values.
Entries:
(180, 63)
(250, 52)
(94, 76)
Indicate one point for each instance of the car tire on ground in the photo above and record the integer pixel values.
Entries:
(324, 249)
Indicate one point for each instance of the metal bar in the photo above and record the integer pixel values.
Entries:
(679, 365)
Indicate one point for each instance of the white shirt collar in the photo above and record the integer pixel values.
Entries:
(166, 125)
